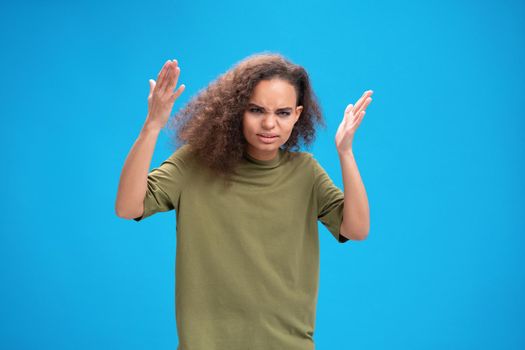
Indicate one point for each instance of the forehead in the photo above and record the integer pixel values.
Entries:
(274, 93)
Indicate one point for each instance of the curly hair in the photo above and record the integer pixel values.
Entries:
(211, 122)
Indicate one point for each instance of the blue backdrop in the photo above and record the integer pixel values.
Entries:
(440, 151)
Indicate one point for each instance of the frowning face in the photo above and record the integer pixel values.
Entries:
(270, 117)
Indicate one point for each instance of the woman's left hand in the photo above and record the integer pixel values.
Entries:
(351, 120)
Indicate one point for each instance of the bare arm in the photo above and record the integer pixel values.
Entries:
(134, 177)
(356, 212)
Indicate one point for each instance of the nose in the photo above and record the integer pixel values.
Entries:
(268, 122)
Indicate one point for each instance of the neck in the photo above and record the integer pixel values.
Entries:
(264, 155)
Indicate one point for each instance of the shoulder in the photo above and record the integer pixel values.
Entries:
(182, 154)
(182, 150)
(180, 162)
(310, 163)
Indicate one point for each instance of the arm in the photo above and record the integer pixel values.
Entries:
(133, 179)
(356, 213)
(133, 183)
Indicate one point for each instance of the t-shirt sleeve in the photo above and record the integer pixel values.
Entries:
(165, 184)
(330, 202)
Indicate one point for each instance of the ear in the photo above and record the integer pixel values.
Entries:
(298, 111)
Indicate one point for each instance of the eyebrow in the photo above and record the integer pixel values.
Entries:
(278, 109)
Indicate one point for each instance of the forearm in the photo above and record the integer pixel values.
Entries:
(356, 213)
(133, 179)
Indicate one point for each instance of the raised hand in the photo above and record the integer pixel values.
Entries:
(351, 120)
(161, 95)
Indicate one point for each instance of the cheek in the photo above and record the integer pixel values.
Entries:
(246, 127)
(251, 122)
(288, 127)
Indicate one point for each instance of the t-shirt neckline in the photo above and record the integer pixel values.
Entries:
(270, 162)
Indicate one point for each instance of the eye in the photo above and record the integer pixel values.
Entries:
(255, 110)
(284, 113)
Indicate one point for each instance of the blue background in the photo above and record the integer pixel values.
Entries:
(440, 151)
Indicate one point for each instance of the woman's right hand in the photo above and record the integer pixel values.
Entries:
(161, 95)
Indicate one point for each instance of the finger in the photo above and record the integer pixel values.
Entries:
(348, 113)
(174, 79)
(358, 120)
(162, 72)
(360, 101)
(178, 92)
(151, 86)
(175, 70)
(363, 98)
(353, 117)
(364, 105)
(167, 77)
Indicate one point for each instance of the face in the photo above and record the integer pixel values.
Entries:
(270, 117)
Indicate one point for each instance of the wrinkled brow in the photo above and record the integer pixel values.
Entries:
(278, 109)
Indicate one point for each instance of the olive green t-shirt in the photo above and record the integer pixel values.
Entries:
(247, 257)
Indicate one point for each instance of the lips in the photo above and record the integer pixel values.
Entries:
(267, 135)
(266, 139)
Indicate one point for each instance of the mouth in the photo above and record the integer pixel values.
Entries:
(267, 139)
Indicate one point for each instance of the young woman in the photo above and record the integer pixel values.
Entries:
(247, 202)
